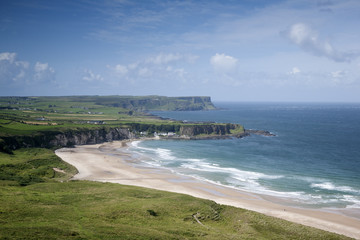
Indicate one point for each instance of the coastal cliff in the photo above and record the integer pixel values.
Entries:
(212, 130)
(193, 130)
(91, 137)
(67, 138)
(71, 137)
(161, 103)
(219, 131)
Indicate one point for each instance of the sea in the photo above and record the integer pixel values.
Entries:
(313, 161)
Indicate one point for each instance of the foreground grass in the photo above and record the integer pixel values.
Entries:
(91, 210)
(33, 165)
(36, 203)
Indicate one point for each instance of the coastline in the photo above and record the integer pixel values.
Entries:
(112, 162)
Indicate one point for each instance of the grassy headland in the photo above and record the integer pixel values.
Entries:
(58, 121)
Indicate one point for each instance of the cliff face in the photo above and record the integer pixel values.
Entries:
(194, 103)
(90, 137)
(67, 138)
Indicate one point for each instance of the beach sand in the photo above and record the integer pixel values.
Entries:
(112, 162)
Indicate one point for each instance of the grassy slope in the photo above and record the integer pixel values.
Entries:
(37, 204)
(32, 165)
(90, 210)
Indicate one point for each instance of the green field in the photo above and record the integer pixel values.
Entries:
(26, 115)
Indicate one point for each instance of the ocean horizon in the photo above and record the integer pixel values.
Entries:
(313, 161)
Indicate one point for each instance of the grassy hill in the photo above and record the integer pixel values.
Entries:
(38, 202)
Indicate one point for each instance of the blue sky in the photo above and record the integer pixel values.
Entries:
(249, 50)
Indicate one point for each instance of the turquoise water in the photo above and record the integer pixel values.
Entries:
(314, 159)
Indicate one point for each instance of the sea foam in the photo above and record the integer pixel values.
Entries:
(332, 187)
(204, 170)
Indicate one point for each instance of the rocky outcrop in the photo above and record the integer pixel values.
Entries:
(207, 129)
(260, 132)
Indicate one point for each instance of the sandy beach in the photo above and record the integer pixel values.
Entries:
(112, 162)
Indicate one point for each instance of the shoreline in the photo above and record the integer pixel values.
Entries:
(113, 162)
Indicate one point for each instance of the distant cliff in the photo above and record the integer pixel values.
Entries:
(159, 103)
(133, 103)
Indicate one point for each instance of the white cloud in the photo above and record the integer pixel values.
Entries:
(180, 72)
(17, 73)
(223, 63)
(120, 72)
(121, 69)
(340, 77)
(300, 33)
(91, 77)
(294, 71)
(338, 74)
(144, 72)
(308, 39)
(160, 68)
(40, 67)
(344, 78)
(12, 70)
(19, 76)
(7, 56)
(132, 66)
(22, 64)
(43, 72)
(163, 59)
